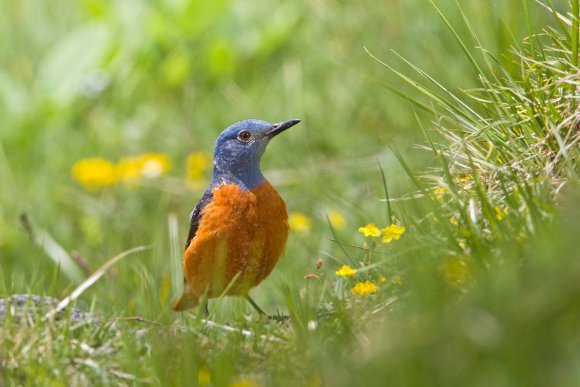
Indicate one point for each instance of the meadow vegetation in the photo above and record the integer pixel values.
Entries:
(432, 188)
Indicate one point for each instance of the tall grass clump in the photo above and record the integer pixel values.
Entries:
(490, 290)
(506, 150)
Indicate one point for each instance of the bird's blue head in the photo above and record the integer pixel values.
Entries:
(240, 147)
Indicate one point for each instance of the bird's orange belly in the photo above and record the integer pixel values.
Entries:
(241, 236)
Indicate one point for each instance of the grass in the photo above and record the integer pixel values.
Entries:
(481, 286)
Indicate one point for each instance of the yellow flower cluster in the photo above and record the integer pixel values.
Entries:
(367, 287)
(389, 233)
(95, 173)
(364, 289)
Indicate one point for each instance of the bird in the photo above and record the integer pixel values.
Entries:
(239, 228)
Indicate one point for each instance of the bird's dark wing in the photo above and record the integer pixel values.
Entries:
(195, 216)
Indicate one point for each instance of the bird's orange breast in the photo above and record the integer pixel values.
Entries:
(241, 236)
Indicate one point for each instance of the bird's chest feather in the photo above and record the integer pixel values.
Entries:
(234, 210)
(242, 234)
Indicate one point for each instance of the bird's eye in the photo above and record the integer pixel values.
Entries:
(244, 136)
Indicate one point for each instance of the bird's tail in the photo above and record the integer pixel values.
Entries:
(187, 300)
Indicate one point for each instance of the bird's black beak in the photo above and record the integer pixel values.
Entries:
(280, 127)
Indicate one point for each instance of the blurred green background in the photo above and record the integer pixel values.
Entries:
(122, 79)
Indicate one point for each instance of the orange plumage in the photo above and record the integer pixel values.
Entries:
(241, 236)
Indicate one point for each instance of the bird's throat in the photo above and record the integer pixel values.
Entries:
(248, 177)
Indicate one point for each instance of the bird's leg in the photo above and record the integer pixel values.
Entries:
(204, 302)
(255, 306)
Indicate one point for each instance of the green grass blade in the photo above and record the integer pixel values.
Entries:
(384, 180)
(457, 38)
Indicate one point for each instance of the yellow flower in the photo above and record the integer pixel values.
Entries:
(439, 192)
(299, 222)
(363, 289)
(500, 214)
(370, 230)
(197, 164)
(464, 178)
(345, 271)
(336, 220)
(456, 271)
(94, 173)
(129, 169)
(392, 232)
(149, 165)
(155, 165)
(453, 220)
(382, 280)
(203, 377)
(244, 383)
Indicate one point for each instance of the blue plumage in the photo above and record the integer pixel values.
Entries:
(238, 151)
